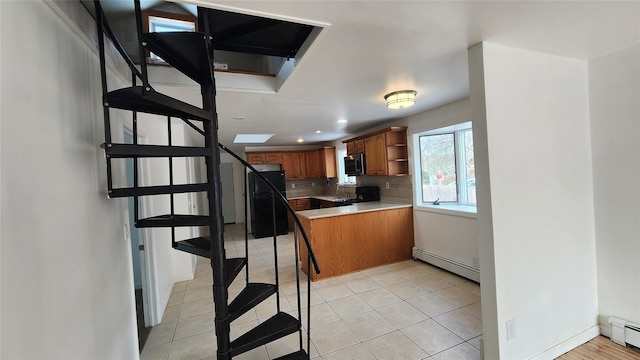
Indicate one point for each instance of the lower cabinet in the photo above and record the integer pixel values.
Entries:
(352, 242)
(298, 205)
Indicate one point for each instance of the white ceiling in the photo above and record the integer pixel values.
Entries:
(371, 48)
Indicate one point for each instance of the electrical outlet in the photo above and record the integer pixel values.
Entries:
(293, 185)
(313, 184)
(387, 184)
(511, 329)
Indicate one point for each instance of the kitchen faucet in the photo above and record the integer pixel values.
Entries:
(338, 190)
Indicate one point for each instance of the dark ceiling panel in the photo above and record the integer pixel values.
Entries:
(255, 35)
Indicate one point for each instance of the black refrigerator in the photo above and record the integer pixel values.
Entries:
(261, 205)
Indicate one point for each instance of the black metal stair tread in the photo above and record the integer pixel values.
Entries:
(173, 220)
(232, 268)
(276, 327)
(298, 355)
(158, 190)
(185, 51)
(138, 150)
(252, 295)
(200, 246)
(152, 102)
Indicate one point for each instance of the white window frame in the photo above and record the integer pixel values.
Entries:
(176, 21)
(461, 173)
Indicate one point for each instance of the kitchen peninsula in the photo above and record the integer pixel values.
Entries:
(355, 237)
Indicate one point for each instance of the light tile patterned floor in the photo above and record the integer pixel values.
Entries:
(409, 310)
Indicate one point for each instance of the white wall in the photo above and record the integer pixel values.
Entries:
(615, 142)
(67, 283)
(450, 237)
(536, 171)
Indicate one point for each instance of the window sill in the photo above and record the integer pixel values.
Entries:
(449, 209)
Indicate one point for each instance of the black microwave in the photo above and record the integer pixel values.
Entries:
(354, 165)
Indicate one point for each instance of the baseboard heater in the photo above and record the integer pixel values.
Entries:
(625, 332)
(455, 267)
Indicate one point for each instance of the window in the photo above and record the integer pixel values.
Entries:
(342, 177)
(159, 21)
(446, 166)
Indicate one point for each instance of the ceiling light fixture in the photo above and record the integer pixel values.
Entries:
(342, 121)
(300, 140)
(318, 131)
(400, 99)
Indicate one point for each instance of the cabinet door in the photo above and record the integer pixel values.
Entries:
(293, 164)
(376, 157)
(358, 146)
(351, 148)
(312, 160)
(289, 166)
(328, 162)
(255, 158)
(273, 158)
(303, 204)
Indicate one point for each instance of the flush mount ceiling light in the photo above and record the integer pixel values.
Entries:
(300, 140)
(400, 99)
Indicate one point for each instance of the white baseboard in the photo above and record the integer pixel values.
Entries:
(455, 267)
(568, 344)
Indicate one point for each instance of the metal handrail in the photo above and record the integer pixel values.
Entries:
(284, 202)
(106, 29)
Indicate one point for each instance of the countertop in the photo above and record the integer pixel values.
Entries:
(350, 209)
(321, 197)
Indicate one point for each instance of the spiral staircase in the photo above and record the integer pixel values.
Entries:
(191, 53)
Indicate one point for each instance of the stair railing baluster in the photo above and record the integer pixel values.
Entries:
(141, 50)
(100, 23)
(309, 258)
(295, 244)
(171, 196)
(134, 127)
(246, 224)
(275, 248)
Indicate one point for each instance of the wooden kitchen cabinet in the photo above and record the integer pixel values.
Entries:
(376, 157)
(260, 158)
(396, 152)
(356, 147)
(314, 166)
(294, 165)
(386, 151)
(347, 243)
(321, 163)
(328, 161)
(298, 205)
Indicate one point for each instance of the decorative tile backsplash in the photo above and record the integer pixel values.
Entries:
(400, 187)
(309, 187)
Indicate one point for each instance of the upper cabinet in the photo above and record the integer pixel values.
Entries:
(294, 165)
(375, 157)
(355, 147)
(320, 163)
(397, 155)
(268, 157)
(385, 151)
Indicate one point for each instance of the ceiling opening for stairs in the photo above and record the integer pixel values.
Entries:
(251, 53)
